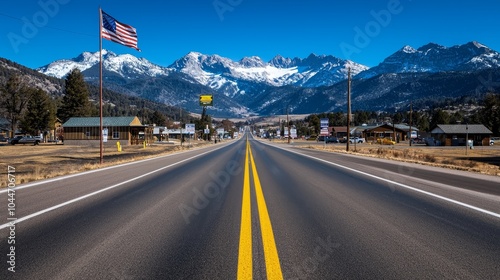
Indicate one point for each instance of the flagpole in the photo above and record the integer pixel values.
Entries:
(101, 160)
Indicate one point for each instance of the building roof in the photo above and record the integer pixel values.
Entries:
(461, 129)
(340, 129)
(106, 121)
(387, 128)
(406, 127)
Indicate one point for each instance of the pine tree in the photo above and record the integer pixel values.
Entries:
(13, 100)
(158, 118)
(439, 117)
(38, 115)
(490, 114)
(75, 102)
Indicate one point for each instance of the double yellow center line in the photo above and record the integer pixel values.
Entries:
(245, 266)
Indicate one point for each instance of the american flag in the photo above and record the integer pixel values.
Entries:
(118, 32)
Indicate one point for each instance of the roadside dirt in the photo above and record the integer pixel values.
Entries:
(45, 161)
(485, 160)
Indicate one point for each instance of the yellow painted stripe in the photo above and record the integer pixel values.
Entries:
(273, 267)
(245, 267)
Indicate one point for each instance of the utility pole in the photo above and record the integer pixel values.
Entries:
(411, 117)
(348, 108)
(180, 122)
(466, 138)
(287, 125)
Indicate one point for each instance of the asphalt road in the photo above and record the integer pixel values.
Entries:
(249, 210)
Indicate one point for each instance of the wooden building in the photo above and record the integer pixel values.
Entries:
(395, 133)
(126, 130)
(456, 134)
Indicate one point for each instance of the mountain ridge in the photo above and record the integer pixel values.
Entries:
(252, 86)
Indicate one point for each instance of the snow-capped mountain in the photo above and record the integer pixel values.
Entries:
(233, 77)
(434, 58)
(125, 65)
(306, 85)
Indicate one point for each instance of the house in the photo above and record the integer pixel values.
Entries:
(126, 130)
(338, 131)
(5, 130)
(456, 134)
(373, 132)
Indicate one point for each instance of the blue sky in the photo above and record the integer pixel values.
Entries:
(37, 32)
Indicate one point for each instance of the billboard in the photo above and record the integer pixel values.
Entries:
(324, 127)
(190, 128)
(206, 100)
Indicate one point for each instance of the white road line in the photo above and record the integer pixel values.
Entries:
(101, 190)
(29, 185)
(484, 211)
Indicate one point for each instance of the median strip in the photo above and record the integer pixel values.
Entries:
(245, 252)
(273, 267)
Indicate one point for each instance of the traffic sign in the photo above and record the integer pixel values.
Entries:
(206, 100)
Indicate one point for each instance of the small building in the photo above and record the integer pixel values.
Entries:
(338, 131)
(456, 134)
(5, 128)
(373, 132)
(126, 130)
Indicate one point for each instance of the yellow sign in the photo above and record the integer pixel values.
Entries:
(206, 100)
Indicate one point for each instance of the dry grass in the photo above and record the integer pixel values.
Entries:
(33, 163)
(484, 160)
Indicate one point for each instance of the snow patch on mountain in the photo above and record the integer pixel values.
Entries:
(125, 65)
(434, 58)
(239, 77)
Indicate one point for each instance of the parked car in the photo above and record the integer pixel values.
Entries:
(35, 140)
(332, 140)
(357, 140)
(385, 141)
(15, 140)
(4, 139)
(321, 138)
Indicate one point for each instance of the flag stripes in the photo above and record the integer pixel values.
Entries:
(118, 32)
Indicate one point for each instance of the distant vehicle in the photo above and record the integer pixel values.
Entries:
(356, 140)
(332, 140)
(4, 139)
(321, 138)
(385, 141)
(494, 140)
(15, 140)
(35, 140)
(418, 141)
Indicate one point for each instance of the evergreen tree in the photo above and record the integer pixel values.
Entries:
(158, 118)
(490, 114)
(439, 117)
(13, 100)
(75, 102)
(37, 116)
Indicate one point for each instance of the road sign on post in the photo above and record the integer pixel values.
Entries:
(206, 100)
(190, 129)
(324, 127)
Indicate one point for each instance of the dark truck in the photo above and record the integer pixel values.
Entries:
(35, 140)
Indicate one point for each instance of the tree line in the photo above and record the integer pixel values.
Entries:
(487, 112)
(32, 110)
